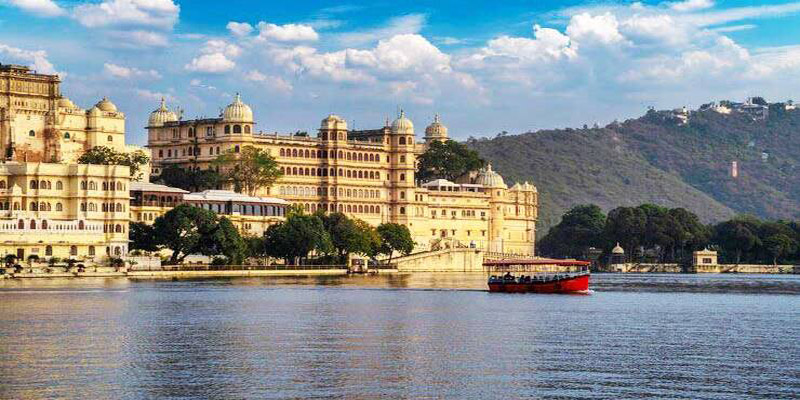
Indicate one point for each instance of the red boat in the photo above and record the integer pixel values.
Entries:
(558, 282)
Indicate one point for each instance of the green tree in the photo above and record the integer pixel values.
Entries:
(187, 179)
(296, 237)
(225, 239)
(103, 155)
(580, 228)
(394, 238)
(626, 225)
(447, 160)
(187, 230)
(248, 170)
(349, 235)
(735, 237)
(142, 237)
(779, 245)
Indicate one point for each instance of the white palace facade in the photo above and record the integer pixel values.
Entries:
(367, 174)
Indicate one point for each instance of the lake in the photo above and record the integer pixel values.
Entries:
(400, 336)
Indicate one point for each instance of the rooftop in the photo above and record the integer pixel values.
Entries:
(227, 195)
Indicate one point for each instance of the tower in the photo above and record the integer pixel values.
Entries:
(435, 132)
(401, 168)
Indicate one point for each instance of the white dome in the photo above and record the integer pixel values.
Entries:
(403, 125)
(106, 105)
(617, 249)
(489, 178)
(161, 115)
(66, 103)
(436, 130)
(237, 111)
(333, 122)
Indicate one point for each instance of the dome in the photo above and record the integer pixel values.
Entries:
(403, 125)
(529, 188)
(161, 115)
(94, 111)
(436, 130)
(106, 105)
(489, 178)
(333, 122)
(516, 186)
(237, 111)
(66, 103)
(617, 249)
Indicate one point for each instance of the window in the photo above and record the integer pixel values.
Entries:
(59, 207)
(237, 129)
(402, 210)
(247, 129)
(402, 177)
(110, 138)
(31, 133)
(227, 129)
(236, 149)
(66, 135)
(402, 140)
(48, 251)
(59, 185)
(91, 250)
(73, 250)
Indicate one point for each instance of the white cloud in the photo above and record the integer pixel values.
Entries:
(154, 96)
(274, 82)
(161, 14)
(134, 39)
(43, 8)
(603, 28)
(214, 63)
(221, 46)
(36, 59)
(691, 5)
(239, 28)
(739, 13)
(735, 28)
(406, 24)
(287, 33)
(119, 71)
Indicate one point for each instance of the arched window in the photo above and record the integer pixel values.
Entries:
(402, 177)
(34, 206)
(110, 138)
(402, 140)
(360, 157)
(237, 129)
(48, 250)
(59, 185)
(81, 225)
(294, 152)
(191, 132)
(33, 224)
(66, 135)
(44, 224)
(105, 186)
(282, 153)
(2, 184)
(402, 210)
(91, 250)
(118, 228)
(20, 224)
(236, 148)
(92, 185)
(119, 207)
(31, 133)
(227, 129)
(341, 154)
(73, 250)
(247, 129)
(59, 207)
(34, 185)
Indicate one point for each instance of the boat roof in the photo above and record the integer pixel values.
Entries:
(538, 261)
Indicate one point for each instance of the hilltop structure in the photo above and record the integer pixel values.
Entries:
(50, 206)
(367, 174)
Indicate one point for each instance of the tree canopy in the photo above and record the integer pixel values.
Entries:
(296, 237)
(142, 237)
(103, 155)
(394, 238)
(349, 235)
(188, 179)
(192, 230)
(447, 160)
(580, 228)
(248, 170)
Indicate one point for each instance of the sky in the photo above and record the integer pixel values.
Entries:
(485, 67)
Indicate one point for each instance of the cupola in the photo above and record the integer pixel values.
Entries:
(161, 115)
(237, 111)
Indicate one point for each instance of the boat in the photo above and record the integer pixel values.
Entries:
(576, 281)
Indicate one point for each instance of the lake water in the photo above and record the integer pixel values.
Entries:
(434, 336)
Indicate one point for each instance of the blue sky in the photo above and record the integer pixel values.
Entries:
(484, 66)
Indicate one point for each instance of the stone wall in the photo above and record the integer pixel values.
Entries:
(448, 260)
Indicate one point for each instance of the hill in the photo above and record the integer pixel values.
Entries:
(670, 158)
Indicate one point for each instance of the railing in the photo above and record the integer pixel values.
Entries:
(206, 267)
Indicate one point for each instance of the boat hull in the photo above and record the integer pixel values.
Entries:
(578, 284)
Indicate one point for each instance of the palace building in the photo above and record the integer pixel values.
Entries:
(50, 206)
(367, 174)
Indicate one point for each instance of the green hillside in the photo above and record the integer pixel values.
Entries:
(657, 159)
